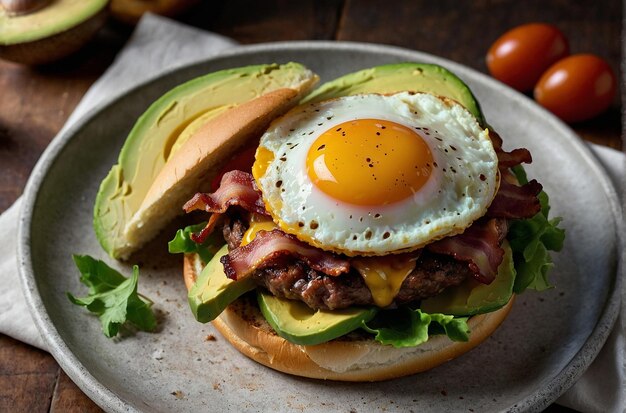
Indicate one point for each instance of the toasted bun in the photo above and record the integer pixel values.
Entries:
(189, 169)
(355, 357)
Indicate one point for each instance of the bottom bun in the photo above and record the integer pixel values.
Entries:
(354, 357)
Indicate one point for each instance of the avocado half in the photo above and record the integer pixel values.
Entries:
(163, 128)
(51, 32)
(400, 77)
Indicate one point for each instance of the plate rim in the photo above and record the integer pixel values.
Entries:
(108, 400)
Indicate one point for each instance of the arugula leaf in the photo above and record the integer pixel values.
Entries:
(182, 243)
(96, 275)
(530, 240)
(406, 327)
(112, 296)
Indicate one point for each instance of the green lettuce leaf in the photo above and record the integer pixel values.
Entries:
(406, 327)
(113, 297)
(530, 240)
(182, 243)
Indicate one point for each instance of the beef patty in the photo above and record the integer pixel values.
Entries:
(294, 279)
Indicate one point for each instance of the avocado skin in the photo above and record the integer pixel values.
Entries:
(50, 20)
(393, 78)
(472, 297)
(296, 322)
(213, 291)
(51, 32)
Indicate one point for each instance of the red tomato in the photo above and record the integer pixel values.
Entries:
(521, 55)
(241, 161)
(577, 88)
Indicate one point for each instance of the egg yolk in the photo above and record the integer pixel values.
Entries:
(263, 159)
(369, 162)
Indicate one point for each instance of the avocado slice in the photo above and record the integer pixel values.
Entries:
(213, 291)
(392, 78)
(50, 32)
(161, 130)
(472, 297)
(296, 322)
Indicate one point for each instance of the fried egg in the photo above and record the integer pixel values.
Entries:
(376, 174)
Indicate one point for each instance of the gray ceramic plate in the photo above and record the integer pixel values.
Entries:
(545, 344)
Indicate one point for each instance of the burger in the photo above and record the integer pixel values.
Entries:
(358, 236)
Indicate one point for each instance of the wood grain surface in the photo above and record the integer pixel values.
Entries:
(35, 102)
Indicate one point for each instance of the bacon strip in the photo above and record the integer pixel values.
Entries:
(512, 200)
(513, 158)
(269, 247)
(496, 140)
(236, 188)
(515, 202)
(508, 159)
(200, 237)
(479, 246)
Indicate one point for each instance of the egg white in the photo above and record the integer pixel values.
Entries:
(458, 191)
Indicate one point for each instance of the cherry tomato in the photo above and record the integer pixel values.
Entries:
(577, 88)
(241, 161)
(521, 55)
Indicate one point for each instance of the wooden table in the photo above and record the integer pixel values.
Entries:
(35, 102)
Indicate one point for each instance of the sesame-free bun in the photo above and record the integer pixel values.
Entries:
(355, 357)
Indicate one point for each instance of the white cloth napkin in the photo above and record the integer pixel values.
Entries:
(160, 44)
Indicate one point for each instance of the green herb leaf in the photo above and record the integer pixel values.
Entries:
(113, 297)
(406, 327)
(96, 275)
(182, 243)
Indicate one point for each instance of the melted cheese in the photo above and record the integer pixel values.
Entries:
(384, 275)
(258, 223)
